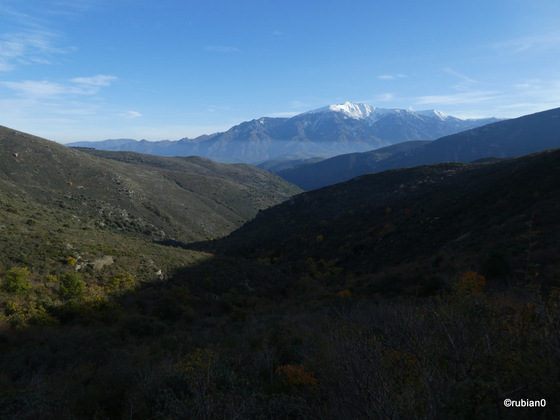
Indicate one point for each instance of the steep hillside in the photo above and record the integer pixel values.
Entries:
(162, 198)
(516, 137)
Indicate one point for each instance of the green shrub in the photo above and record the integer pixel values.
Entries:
(71, 286)
(121, 283)
(15, 280)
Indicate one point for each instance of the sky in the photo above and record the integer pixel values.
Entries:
(87, 70)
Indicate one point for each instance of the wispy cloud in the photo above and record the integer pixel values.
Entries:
(460, 98)
(28, 47)
(222, 48)
(539, 43)
(41, 89)
(70, 8)
(130, 115)
(384, 97)
(97, 81)
(299, 104)
(465, 82)
(38, 89)
(391, 76)
(28, 37)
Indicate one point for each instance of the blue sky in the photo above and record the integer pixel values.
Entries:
(73, 70)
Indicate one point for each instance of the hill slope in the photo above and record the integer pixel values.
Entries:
(516, 137)
(162, 198)
(412, 216)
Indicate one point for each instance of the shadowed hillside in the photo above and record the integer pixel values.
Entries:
(414, 216)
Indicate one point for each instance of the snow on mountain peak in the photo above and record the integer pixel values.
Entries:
(360, 111)
(353, 110)
(433, 113)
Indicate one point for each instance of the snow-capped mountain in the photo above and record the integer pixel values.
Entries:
(373, 114)
(352, 110)
(360, 111)
(325, 132)
(505, 139)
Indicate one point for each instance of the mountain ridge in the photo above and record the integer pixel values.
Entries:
(325, 132)
(509, 138)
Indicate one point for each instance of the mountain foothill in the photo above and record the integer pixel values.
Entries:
(377, 264)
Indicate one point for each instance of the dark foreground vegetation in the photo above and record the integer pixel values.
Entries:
(429, 292)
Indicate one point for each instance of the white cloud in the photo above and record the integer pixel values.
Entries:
(41, 89)
(28, 47)
(5, 65)
(457, 98)
(99, 80)
(466, 82)
(541, 42)
(27, 38)
(37, 89)
(130, 115)
(384, 97)
(391, 76)
(222, 48)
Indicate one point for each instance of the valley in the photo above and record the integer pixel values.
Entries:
(421, 284)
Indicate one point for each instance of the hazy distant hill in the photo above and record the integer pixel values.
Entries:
(325, 132)
(311, 175)
(516, 137)
(164, 198)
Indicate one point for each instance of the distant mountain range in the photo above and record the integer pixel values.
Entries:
(324, 132)
(510, 138)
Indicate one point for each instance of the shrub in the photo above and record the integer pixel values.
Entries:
(71, 286)
(15, 280)
(121, 283)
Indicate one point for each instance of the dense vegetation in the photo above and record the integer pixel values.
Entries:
(428, 292)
